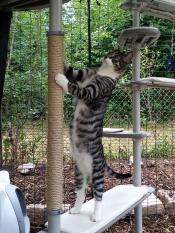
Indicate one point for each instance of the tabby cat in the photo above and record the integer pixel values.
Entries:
(92, 90)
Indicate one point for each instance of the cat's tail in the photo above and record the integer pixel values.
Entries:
(116, 175)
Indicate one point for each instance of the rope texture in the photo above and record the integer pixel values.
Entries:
(55, 125)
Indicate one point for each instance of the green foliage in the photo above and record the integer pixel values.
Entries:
(25, 94)
(163, 147)
(106, 23)
(119, 107)
(23, 99)
(25, 84)
(19, 147)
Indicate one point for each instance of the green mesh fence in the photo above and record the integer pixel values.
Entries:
(24, 107)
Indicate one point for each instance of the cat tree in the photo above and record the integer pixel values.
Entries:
(122, 198)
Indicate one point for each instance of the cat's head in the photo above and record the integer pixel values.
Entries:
(119, 61)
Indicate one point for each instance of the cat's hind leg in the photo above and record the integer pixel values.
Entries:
(81, 183)
(98, 188)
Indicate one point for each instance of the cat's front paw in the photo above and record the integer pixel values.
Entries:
(62, 81)
(96, 217)
(74, 210)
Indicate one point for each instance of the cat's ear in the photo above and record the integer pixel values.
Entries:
(128, 57)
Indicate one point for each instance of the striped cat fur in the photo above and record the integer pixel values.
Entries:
(92, 89)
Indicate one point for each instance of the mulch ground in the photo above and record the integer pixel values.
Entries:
(159, 173)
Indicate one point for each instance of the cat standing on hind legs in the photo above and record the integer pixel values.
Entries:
(92, 90)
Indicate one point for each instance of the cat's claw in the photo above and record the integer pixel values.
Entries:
(74, 211)
(95, 217)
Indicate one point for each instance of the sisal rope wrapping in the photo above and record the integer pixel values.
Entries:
(55, 125)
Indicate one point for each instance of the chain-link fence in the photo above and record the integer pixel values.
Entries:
(24, 107)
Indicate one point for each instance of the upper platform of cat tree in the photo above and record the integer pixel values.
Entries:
(24, 4)
(158, 8)
(143, 36)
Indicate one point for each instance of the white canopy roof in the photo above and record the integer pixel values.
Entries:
(159, 8)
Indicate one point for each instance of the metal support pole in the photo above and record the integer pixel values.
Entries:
(5, 22)
(136, 117)
(136, 123)
(55, 120)
(55, 15)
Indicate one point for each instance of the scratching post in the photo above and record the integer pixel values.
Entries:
(55, 123)
(55, 120)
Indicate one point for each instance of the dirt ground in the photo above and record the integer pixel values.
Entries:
(157, 172)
